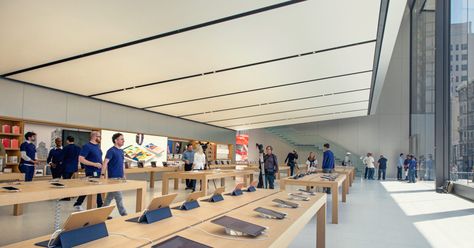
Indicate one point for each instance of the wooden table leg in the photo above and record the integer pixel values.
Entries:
(17, 209)
(204, 185)
(164, 184)
(335, 194)
(140, 199)
(245, 180)
(152, 179)
(251, 178)
(223, 182)
(321, 227)
(345, 186)
(91, 201)
(176, 183)
(282, 185)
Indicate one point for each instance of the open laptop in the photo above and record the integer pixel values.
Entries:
(157, 203)
(79, 220)
(238, 227)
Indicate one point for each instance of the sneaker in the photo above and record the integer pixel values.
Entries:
(78, 208)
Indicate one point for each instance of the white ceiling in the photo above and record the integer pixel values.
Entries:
(302, 62)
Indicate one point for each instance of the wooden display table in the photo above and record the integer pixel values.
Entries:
(280, 232)
(222, 166)
(349, 171)
(203, 176)
(151, 171)
(315, 180)
(43, 191)
(4, 177)
(140, 234)
(281, 168)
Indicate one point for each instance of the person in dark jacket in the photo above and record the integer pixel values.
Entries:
(55, 159)
(291, 161)
(271, 166)
(70, 158)
(328, 163)
(382, 167)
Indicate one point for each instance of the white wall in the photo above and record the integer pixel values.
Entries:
(262, 136)
(36, 103)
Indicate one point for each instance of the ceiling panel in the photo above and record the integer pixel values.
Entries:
(301, 120)
(319, 65)
(37, 32)
(328, 86)
(294, 114)
(291, 30)
(283, 106)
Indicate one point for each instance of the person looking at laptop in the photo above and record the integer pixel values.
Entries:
(91, 158)
(113, 165)
(271, 166)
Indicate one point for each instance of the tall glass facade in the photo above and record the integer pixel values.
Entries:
(422, 105)
(461, 157)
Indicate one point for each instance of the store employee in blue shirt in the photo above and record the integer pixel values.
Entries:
(188, 158)
(328, 163)
(28, 156)
(91, 158)
(113, 165)
(55, 159)
(70, 158)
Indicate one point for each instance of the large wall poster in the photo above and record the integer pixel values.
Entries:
(242, 147)
(139, 147)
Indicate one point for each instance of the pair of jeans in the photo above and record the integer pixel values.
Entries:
(29, 172)
(81, 198)
(411, 175)
(57, 172)
(292, 168)
(67, 175)
(118, 200)
(371, 173)
(270, 179)
(188, 167)
(399, 173)
(327, 190)
(366, 173)
(192, 184)
(382, 173)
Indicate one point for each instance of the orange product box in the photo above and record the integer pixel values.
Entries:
(16, 129)
(14, 143)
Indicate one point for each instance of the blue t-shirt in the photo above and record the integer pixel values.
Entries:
(93, 154)
(382, 163)
(328, 160)
(71, 158)
(115, 165)
(30, 150)
(412, 164)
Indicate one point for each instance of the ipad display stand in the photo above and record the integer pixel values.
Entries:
(216, 198)
(157, 215)
(237, 192)
(189, 205)
(79, 236)
(251, 189)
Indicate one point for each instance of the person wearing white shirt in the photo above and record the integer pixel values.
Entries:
(198, 163)
(369, 162)
(312, 162)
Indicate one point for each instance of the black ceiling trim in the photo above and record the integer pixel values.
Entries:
(378, 46)
(288, 111)
(260, 89)
(296, 118)
(119, 104)
(234, 68)
(282, 101)
(170, 33)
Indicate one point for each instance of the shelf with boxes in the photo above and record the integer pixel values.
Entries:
(11, 136)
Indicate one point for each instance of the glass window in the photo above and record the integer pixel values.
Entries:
(464, 67)
(457, 46)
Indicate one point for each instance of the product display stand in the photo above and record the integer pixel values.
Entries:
(79, 236)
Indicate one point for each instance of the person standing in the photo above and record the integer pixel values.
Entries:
(312, 162)
(199, 162)
(28, 156)
(113, 165)
(328, 163)
(382, 162)
(411, 169)
(188, 158)
(366, 169)
(271, 166)
(401, 161)
(369, 161)
(70, 158)
(91, 158)
(55, 159)
(406, 163)
(347, 160)
(429, 166)
(291, 161)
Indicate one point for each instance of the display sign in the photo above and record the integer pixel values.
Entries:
(139, 147)
(242, 147)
